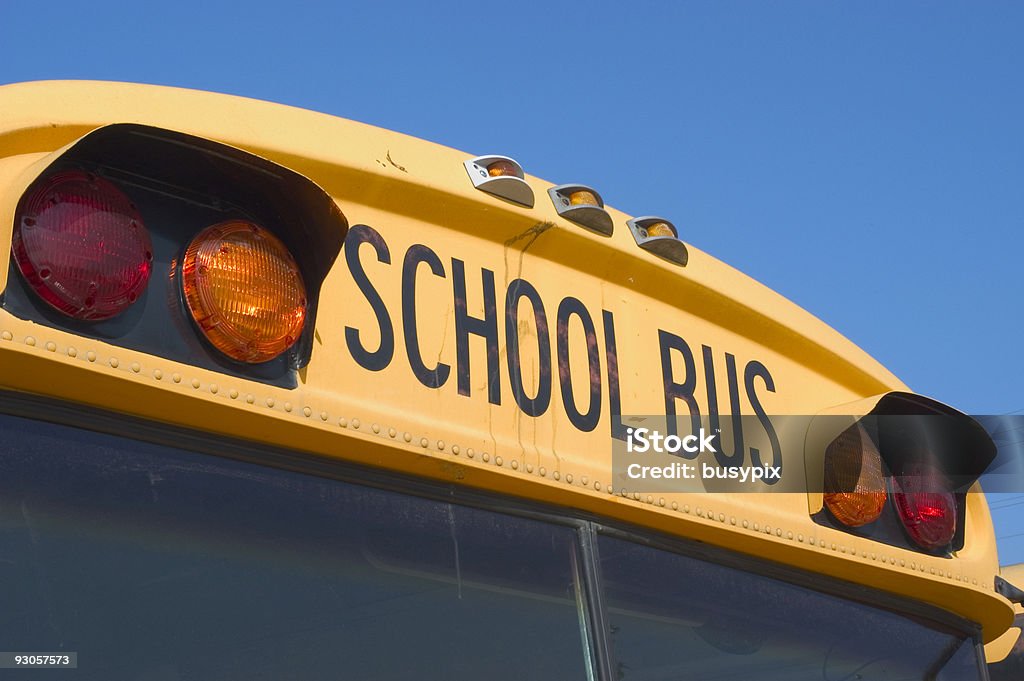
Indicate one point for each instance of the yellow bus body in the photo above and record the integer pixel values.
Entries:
(416, 192)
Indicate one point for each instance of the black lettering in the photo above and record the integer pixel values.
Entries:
(757, 370)
(714, 423)
(566, 309)
(678, 391)
(487, 328)
(418, 253)
(382, 356)
(538, 404)
(612, 360)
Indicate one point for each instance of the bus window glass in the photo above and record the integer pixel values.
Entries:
(674, 617)
(157, 563)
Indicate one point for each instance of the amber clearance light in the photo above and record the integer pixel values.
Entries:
(244, 291)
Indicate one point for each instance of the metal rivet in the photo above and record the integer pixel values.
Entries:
(214, 388)
(597, 486)
(584, 480)
(661, 501)
(195, 383)
(424, 442)
(307, 412)
(250, 398)
(407, 437)
(136, 368)
(568, 477)
(650, 499)
(158, 374)
(356, 423)
(789, 536)
(455, 451)
(757, 527)
(700, 512)
(675, 505)
(323, 416)
(270, 402)
(51, 346)
(746, 524)
(514, 464)
(343, 422)
(470, 453)
(636, 496)
(288, 406)
(903, 563)
(375, 428)
(556, 475)
(174, 377)
(7, 335)
(440, 445)
(497, 461)
(114, 363)
(800, 538)
(543, 471)
(72, 352)
(686, 508)
(29, 340)
(392, 433)
(485, 456)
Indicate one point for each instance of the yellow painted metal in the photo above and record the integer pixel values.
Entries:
(415, 192)
(999, 649)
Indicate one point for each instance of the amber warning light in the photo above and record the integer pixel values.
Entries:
(244, 291)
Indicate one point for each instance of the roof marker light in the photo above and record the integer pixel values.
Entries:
(660, 237)
(582, 205)
(500, 176)
(81, 245)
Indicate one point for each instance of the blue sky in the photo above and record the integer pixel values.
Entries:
(865, 159)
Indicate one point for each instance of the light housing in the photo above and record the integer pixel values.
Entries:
(244, 290)
(81, 245)
(660, 237)
(500, 176)
(180, 185)
(930, 456)
(583, 205)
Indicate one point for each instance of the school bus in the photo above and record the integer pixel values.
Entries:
(289, 396)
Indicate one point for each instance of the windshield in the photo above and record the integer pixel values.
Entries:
(675, 617)
(157, 563)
